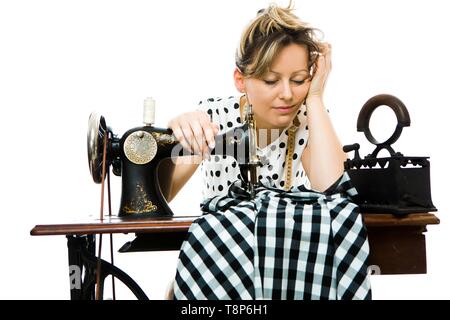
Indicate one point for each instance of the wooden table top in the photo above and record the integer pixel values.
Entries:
(115, 224)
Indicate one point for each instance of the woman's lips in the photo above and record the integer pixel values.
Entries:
(284, 109)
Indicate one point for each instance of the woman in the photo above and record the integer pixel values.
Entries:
(281, 70)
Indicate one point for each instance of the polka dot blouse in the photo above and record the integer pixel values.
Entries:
(219, 172)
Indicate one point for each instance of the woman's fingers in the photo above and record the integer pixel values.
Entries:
(328, 58)
(216, 129)
(200, 142)
(189, 135)
(208, 130)
(179, 135)
(209, 135)
(195, 132)
(320, 65)
(321, 71)
(324, 48)
(324, 60)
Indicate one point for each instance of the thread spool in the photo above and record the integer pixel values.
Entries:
(149, 111)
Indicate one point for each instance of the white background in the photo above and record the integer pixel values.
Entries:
(60, 60)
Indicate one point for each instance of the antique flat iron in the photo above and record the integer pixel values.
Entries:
(137, 156)
(396, 184)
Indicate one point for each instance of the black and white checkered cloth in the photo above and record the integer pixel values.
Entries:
(296, 244)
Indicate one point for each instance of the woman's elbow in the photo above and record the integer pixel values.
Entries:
(326, 178)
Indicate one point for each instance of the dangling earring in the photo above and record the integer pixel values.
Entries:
(246, 104)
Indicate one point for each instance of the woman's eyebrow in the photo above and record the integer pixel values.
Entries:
(295, 72)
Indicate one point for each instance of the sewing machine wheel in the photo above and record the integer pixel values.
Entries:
(95, 142)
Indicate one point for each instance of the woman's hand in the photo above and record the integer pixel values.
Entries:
(195, 131)
(322, 69)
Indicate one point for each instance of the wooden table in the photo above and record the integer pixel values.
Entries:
(397, 244)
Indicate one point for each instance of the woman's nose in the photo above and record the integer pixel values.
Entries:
(286, 91)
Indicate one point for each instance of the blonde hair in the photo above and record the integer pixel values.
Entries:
(273, 29)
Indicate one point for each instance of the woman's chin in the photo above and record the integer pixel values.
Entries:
(283, 121)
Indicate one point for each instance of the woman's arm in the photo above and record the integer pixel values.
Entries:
(180, 173)
(323, 157)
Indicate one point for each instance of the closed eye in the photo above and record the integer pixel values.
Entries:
(270, 82)
(299, 82)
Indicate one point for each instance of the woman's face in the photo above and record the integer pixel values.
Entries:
(279, 94)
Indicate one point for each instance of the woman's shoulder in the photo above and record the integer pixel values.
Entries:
(218, 103)
(222, 110)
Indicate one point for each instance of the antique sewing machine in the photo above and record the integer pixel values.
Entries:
(138, 154)
(397, 184)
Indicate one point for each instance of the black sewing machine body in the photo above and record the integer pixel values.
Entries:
(144, 185)
(395, 184)
(142, 192)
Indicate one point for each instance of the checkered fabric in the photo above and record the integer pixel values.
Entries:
(296, 244)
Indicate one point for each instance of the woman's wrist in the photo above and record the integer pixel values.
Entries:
(314, 102)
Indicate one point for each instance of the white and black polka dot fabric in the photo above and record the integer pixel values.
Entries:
(220, 172)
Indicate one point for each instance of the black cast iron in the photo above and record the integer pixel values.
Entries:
(395, 184)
